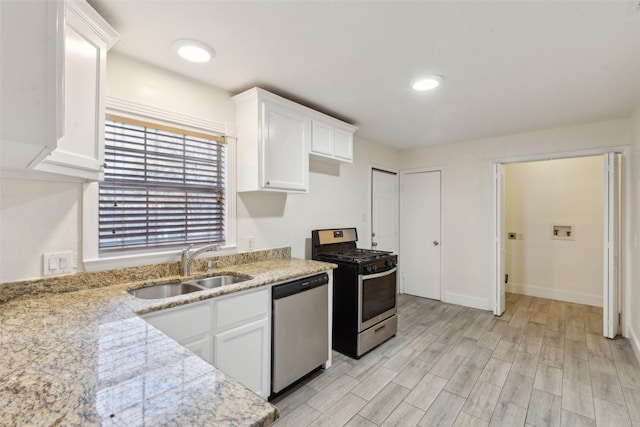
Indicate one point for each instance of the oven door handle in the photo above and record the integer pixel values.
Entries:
(377, 275)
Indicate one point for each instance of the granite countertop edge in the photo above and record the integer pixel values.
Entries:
(80, 357)
(261, 274)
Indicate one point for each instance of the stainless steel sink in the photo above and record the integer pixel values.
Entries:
(171, 289)
(165, 290)
(217, 281)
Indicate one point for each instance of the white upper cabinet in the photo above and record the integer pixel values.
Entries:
(322, 138)
(53, 97)
(31, 49)
(332, 140)
(285, 143)
(275, 138)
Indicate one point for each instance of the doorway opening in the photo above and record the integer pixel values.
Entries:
(558, 232)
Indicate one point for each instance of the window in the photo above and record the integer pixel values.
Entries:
(163, 186)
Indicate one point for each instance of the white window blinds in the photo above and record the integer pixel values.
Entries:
(163, 186)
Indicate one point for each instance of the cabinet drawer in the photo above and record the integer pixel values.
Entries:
(237, 309)
(183, 323)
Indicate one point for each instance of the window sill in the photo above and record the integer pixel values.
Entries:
(140, 259)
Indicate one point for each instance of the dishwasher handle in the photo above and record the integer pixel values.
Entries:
(300, 285)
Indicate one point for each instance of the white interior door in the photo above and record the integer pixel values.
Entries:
(610, 308)
(384, 210)
(500, 246)
(420, 246)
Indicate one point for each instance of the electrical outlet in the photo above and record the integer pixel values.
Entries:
(250, 243)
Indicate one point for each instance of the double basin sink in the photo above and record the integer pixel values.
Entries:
(174, 288)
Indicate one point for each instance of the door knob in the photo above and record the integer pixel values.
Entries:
(436, 243)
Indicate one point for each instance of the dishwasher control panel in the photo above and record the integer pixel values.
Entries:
(300, 285)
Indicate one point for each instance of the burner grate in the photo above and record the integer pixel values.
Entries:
(357, 254)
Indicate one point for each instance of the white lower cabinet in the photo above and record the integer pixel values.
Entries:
(242, 338)
(201, 348)
(232, 332)
(186, 323)
(243, 353)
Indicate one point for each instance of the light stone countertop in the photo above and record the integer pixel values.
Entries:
(86, 358)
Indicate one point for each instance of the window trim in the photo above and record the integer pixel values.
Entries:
(92, 259)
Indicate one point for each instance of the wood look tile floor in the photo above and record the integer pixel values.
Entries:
(542, 363)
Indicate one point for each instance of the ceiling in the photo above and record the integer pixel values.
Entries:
(509, 66)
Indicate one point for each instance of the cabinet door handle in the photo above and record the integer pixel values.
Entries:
(436, 243)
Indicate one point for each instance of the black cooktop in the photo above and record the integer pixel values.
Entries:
(339, 245)
(356, 255)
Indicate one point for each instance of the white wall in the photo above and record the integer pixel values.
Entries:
(539, 195)
(338, 197)
(632, 301)
(36, 217)
(40, 216)
(132, 80)
(467, 241)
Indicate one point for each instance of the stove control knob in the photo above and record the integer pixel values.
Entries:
(390, 263)
(371, 268)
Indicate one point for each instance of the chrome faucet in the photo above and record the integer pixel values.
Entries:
(187, 256)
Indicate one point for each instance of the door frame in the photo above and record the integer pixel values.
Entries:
(442, 221)
(369, 222)
(612, 233)
(625, 225)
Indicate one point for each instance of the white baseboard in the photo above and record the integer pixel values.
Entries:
(467, 301)
(535, 291)
(634, 339)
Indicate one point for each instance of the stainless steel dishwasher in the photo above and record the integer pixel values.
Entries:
(300, 333)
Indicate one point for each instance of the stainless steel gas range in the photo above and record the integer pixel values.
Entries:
(364, 291)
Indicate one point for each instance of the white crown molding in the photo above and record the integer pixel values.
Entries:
(129, 108)
(91, 18)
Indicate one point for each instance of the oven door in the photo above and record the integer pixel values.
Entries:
(377, 297)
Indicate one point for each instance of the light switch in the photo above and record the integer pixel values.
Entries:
(53, 263)
(57, 263)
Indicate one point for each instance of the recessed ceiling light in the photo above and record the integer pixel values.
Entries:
(427, 83)
(194, 50)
